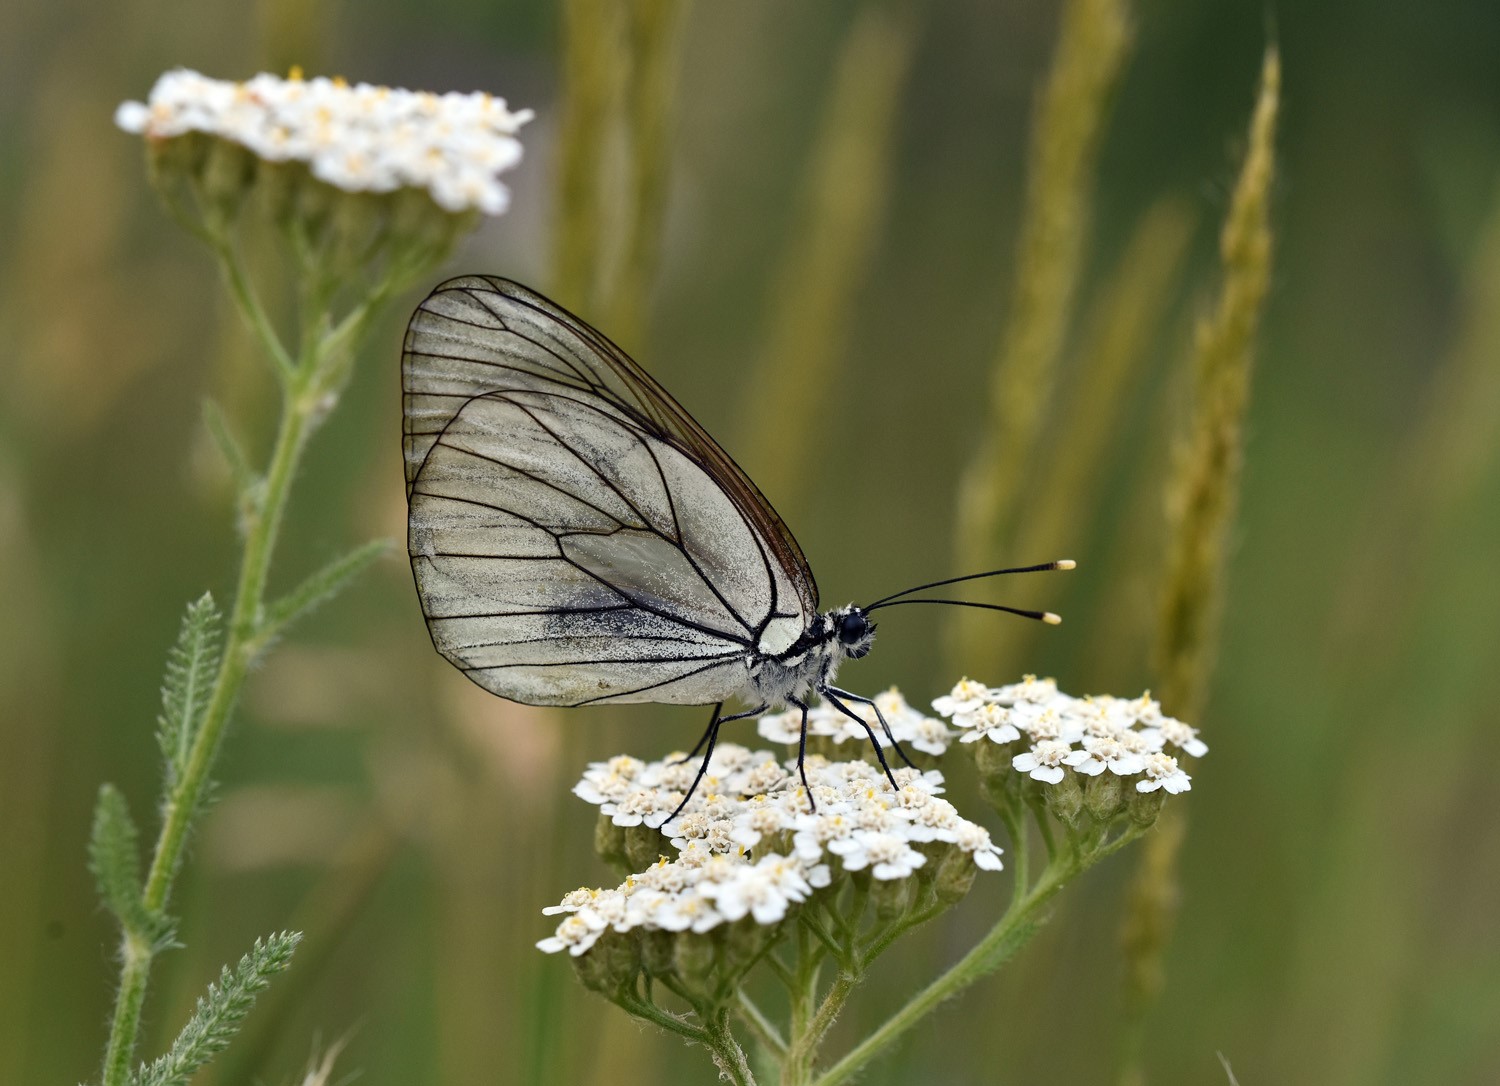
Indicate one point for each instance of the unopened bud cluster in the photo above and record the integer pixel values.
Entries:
(1104, 756)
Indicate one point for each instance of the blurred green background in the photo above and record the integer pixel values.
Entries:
(1339, 880)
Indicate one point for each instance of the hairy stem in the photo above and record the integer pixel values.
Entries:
(727, 1053)
(298, 418)
(1003, 940)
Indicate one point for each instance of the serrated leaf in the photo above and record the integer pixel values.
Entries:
(246, 482)
(192, 664)
(320, 587)
(115, 859)
(220, 1012)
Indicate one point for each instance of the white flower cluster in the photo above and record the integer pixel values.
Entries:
(357, 138)
(909, 727)
(1124, 736)
(750, 800)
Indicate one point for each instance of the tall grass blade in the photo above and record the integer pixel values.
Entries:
(593, 78)
(1092, 47)
(1113, 357)
(833, 240)
(655, 28)
(1202, 496)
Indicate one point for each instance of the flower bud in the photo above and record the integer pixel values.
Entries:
(744, 943)
(694, 957)
(1145, 806)
(993, 761)
(227, 174)
(610, 964)
(609, 840)
(1065, 800)
(172, 161)
(955, 875)
(891, 897)
(656, 951)
(643, 846)
(1104, 796)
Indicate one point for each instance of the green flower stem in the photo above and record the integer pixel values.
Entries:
(135, 966)
(301, 411)
(650, 1012)
(1003, 940)
(727, 1053)
(764, 1029)
(804, 1047)
(238, 281)
(1020, 860)
(829, 943)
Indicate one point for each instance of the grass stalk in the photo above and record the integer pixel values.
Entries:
(655, 28)
(593, 61)
(1112, 355)
(1094, 41)
(832, 241)
(1202, 497)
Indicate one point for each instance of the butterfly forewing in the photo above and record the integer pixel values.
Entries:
(569, 543)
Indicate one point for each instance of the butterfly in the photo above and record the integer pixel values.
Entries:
(577, 538)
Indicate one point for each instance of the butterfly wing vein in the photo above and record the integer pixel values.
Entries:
(571, 540)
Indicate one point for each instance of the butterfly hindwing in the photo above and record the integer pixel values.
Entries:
(564, 555)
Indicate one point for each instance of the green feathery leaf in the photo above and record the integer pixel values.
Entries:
(115, 859)
(245, 479)
(191, 666)
(320, 587)
(220, 1012)
(249, 487)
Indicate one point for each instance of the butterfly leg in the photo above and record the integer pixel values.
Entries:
(878, 716)
(711, 736)
(713, 726)
(832, 699)
(802, 755)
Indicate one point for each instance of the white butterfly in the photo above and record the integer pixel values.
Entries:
(577, 538)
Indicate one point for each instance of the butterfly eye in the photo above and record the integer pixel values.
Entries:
(852, 627)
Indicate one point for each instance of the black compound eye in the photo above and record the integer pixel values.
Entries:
(852, 627)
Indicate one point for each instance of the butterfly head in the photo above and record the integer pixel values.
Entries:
(855, 633)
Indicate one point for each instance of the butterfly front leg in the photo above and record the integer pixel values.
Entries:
(831, 697)
(878, 716)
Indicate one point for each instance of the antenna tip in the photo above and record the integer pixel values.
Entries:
(1065, 563)
(1050, 619)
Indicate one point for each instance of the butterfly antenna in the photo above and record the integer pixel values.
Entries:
(1061, 563)
(1041, 616)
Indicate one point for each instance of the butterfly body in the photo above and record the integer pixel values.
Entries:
(812, 661)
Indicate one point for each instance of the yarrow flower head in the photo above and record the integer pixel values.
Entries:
(1054, 732)
(749, 847)
(358, 138)
(792, 858)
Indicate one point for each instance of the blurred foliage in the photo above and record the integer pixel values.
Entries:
(1337, 885)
